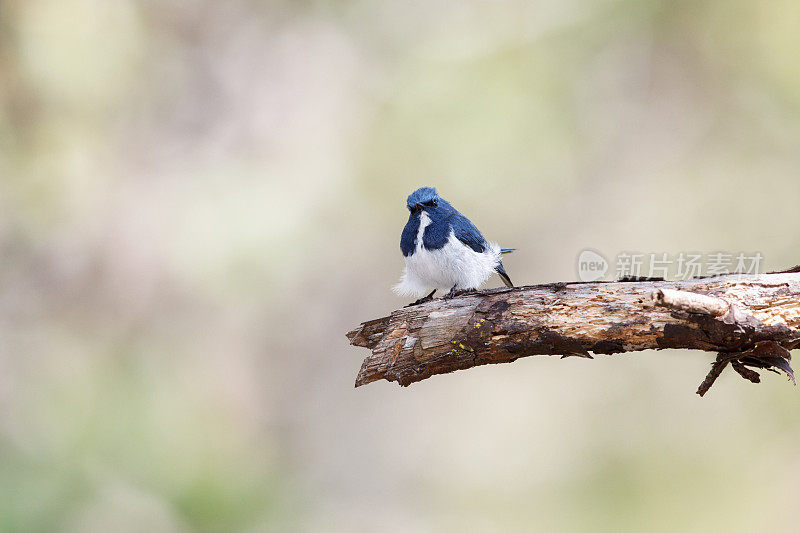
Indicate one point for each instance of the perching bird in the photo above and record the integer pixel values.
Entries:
(444, 250)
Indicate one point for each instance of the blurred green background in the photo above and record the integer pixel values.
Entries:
(198, 199)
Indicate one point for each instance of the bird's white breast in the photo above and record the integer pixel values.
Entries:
(455, 264)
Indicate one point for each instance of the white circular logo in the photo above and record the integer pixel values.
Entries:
(591, 266)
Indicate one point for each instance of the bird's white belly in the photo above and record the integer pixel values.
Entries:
(456, 264)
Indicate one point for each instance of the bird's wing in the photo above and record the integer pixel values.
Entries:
(466, 232)
(408, 239)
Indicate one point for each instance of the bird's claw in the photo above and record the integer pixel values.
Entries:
(422, 300)
(455, 293)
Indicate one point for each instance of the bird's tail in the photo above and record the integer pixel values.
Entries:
(503, 275)
(507, 250)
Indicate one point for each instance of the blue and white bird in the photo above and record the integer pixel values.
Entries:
(444, 250)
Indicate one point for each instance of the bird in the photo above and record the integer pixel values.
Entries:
(444, 250)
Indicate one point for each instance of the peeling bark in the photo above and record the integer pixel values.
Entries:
(749, 321)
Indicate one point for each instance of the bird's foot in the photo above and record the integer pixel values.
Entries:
(422, 300)
(454, 293)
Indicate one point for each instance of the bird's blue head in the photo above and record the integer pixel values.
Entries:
(422, 199)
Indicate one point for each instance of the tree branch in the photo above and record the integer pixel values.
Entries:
(749, 321)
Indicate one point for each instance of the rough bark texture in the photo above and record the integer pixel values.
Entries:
(749, 321)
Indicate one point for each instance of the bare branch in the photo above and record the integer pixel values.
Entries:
(750, 321)
(690, 302)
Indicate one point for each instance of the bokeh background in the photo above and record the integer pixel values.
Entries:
(198, 199)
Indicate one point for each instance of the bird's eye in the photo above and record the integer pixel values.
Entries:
(430, 203)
